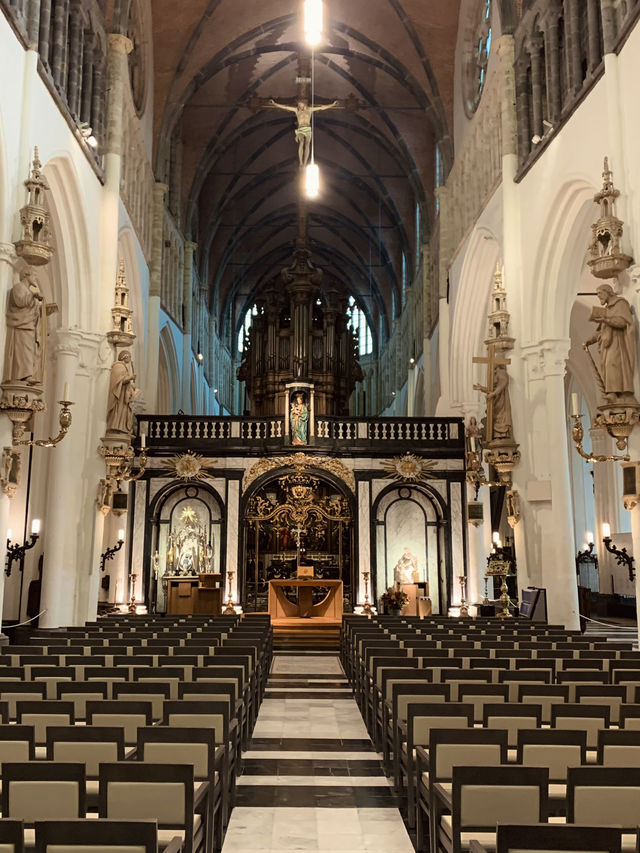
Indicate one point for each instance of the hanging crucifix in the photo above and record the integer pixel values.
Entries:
(304, 110)
(499, 425)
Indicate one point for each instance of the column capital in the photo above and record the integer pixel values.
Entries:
(120, 44)
(8, 253)
(546, 358)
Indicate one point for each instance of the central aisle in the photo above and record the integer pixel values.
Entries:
(311, 778)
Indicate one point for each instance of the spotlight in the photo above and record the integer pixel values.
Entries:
(537, 139)
(200, 357)
(313, 22)
(312, 180)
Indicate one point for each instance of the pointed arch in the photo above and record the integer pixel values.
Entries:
(168, 371)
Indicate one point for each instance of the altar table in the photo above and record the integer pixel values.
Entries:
(330, 607)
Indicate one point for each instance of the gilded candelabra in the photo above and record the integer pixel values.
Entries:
(110, 553)
(132, 604)
(475, 472)
(367, 610)
(64, 420)
(500, 569)
(229, 609)
(464, 609)
(578, 437)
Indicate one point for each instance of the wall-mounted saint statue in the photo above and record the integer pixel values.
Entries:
(122, 393)
(27, 315)
(615, 338)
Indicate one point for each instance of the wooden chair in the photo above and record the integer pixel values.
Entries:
(619, 748)
(11, 836)
(125, 714)
(449, 748)
(137, 790)
(556, 839)
(605, 796)
(208, 715)
(421, 718)
(88, 745)
(589, 718)
(167, 745)
(44, 713)
(483, 797)
(71, 836)
(81, 692)
(512, 717)
(42, 790)
(155, 692)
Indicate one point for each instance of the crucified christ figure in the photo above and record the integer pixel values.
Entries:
(303, 131)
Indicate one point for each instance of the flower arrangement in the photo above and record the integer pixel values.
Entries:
(394, 598)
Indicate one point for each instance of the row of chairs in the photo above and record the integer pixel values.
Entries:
(145, 739)
(538, 708)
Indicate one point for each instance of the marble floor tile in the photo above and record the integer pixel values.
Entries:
(313, 780)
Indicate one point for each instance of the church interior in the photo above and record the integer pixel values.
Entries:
(319, 462)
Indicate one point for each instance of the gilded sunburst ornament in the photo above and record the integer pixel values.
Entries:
(191, 466)
(409, 468)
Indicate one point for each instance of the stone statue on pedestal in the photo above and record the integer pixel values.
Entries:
(122, 393)
(26, 331)
(616, 346)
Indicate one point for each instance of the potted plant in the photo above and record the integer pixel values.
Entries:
(394, 599)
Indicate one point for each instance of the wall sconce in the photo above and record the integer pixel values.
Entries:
(622, 557)
(111, 552)
(16, 553)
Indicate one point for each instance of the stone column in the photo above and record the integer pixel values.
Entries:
(572, 30)
(609, 26)
(549, 522)
(59, 46)
(522, 108)
(554, 93)
(535, 52)
(75, 58)
(7, 259)
(59, 525)
(153, 309)
(594, 39)
(606, 499)
(187, 336)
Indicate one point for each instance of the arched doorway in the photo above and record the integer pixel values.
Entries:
(185, 535)
(410, 543)
(290, 519)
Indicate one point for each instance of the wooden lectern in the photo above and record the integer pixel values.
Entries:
(194, 595)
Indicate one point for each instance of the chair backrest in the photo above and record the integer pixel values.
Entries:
(11, 836)
(81, 692)
(199, 714)
(17, 743)
(123, 713)
(449, 748)
(43, 790)
(406, 692)
(44, 713)
(156, 692)
(89, 745)
(555, 749)
(482, 797)
(78, 836)
(619, 747)
(137, 790)
(480, 695)
(12, 692)
(169, 745)
(589, 718)
(545, 695)
(604, 795)
(422, 717)
(553, 838)
(630, 717)
(512, 717)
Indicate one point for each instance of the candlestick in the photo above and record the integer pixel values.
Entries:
(575, 409)
(606, 531)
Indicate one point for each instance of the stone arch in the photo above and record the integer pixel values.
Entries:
(70, 270)
(172, 382)
(469, 323)
(559, 261)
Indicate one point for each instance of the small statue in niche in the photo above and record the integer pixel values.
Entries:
(27, 315)
(406, 569)
(299, 418)
(122, 393)
(616, 346)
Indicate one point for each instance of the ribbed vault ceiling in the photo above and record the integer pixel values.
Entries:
(239, 188)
